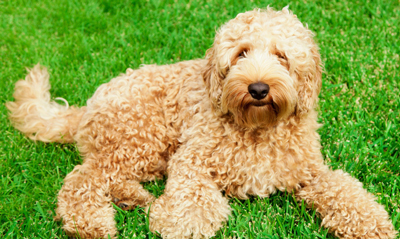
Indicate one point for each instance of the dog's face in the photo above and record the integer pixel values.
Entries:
(263, 67)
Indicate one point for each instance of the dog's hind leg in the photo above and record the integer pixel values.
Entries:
(84, 201)
(128, 194)
(84, 204)
(347, 209)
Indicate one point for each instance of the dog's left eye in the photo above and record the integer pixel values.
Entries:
(281, 57)
(283, 60)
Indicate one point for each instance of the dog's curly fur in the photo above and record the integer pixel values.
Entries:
(197, 122)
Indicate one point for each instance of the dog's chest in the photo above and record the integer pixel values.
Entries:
(244, 169)
(249, 165)
(245, 162)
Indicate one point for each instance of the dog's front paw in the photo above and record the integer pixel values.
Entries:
(186, 219)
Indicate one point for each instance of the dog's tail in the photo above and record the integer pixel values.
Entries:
(39, 118)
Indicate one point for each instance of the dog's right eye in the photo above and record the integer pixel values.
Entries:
(242, 54)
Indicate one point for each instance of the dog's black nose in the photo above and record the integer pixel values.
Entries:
(258, 90)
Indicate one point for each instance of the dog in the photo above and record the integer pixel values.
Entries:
(241, 121)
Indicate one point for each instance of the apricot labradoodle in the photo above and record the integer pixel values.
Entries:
(242, 121)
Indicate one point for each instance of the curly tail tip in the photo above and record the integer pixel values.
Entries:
(36, 115)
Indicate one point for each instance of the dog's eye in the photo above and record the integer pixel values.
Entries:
(242, 54)
(283, 60)
(281, 57)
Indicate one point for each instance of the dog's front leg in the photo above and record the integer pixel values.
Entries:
(192, 206)
(347, 209)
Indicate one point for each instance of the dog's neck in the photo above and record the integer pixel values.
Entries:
(302, 123)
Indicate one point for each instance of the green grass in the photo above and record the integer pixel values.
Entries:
(86, 43)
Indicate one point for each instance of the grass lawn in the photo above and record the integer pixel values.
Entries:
(86, 43)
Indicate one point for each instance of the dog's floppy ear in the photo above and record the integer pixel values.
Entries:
(212, 79)
(311, 85)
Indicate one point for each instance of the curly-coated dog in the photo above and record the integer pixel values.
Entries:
(242, 121)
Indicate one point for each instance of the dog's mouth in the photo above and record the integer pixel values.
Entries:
(267, 101)
(265, 104)
(259, 103)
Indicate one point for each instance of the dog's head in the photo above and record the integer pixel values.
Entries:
(263, 67)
